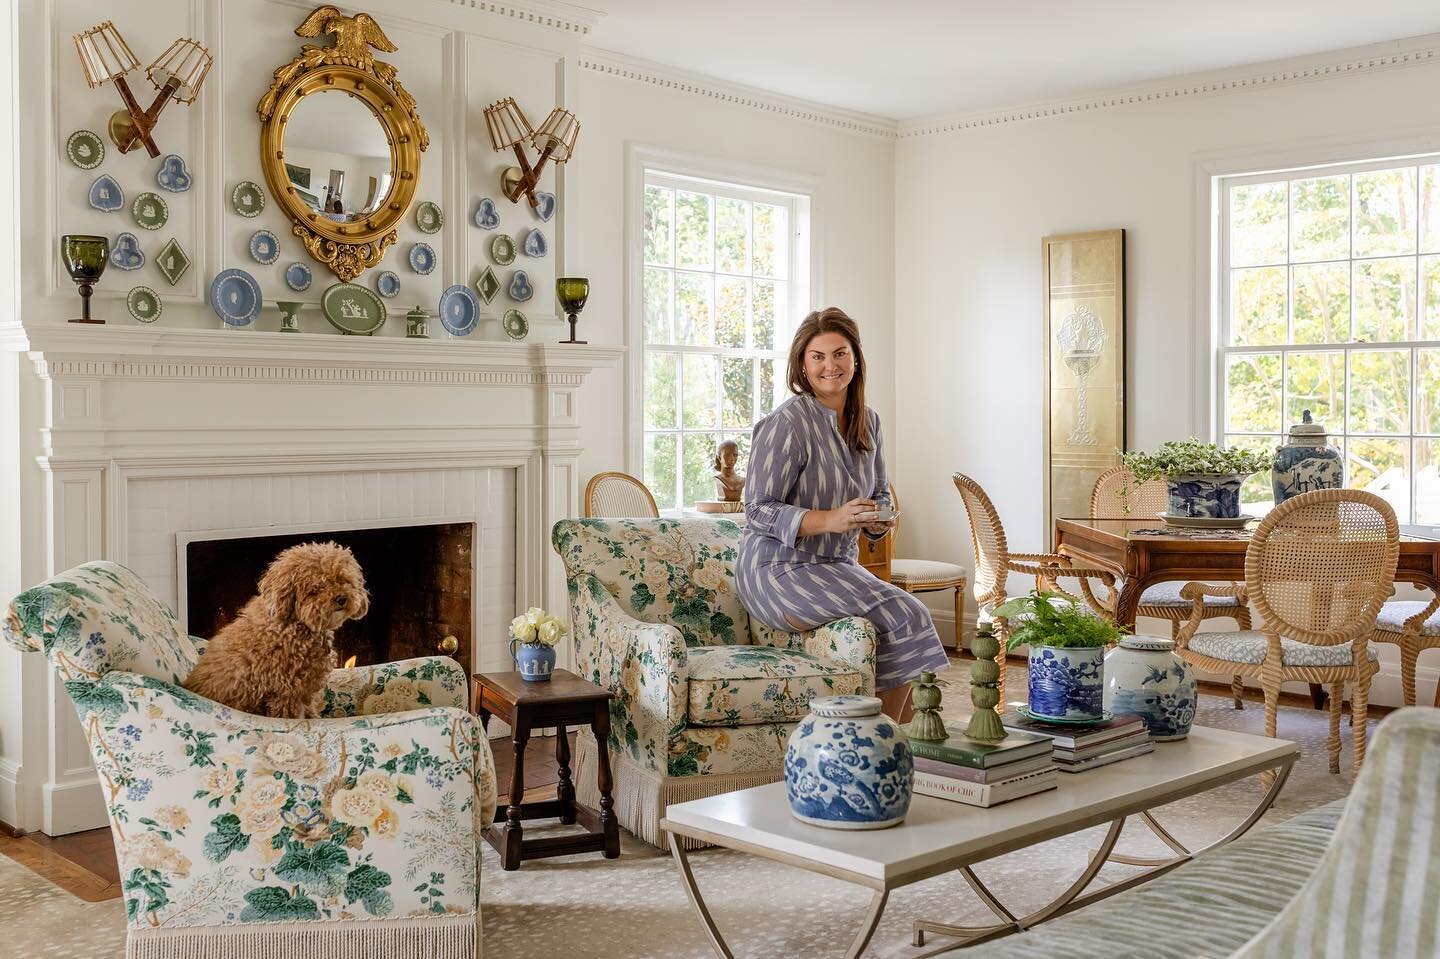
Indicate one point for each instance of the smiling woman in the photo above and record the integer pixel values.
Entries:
(817, 478)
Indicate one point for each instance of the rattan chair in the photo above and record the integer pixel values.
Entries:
(1117, 496)
(1412, 626)
(928, 575)
(1318, 569)
(994, 562)
(615, 495)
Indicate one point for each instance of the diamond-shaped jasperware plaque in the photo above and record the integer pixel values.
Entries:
(173, 261)
(488, 285)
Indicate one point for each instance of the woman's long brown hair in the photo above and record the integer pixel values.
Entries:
(855, 424)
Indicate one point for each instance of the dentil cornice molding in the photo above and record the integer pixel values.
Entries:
(565, 17)
(1354, 61)
(654, 74)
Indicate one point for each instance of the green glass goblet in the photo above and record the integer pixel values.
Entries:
(85, 258)
(572, 292)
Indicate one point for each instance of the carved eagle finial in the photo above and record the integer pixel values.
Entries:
(354, 36)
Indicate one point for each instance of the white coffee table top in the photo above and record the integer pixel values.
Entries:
(939, 835)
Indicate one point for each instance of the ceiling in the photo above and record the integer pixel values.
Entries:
(910, 58)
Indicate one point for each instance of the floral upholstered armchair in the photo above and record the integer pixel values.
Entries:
(242, 835)
(705, 697)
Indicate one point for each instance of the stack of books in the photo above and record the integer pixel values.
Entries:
(1078, 748)
(967, 770)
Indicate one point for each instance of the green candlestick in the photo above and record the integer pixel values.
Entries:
(985, 686)
(926, 724)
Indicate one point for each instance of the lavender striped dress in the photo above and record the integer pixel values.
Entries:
(799, 462)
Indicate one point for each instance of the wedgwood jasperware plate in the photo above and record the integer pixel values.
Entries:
(235, 297)
(459, 310)
(143, 304)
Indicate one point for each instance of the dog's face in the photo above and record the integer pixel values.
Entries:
(318, 584)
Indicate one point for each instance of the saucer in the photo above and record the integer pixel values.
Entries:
(1208, 522)
(1105, 717)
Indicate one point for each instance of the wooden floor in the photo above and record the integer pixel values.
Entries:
(84, 863)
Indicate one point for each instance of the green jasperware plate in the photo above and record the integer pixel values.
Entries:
(143, 304)
(85, 149)
(352, 308)
(150, 211)
(428, 217)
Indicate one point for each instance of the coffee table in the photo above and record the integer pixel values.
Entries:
(938, 836)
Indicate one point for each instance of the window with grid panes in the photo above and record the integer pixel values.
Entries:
(1330, 301)
(718, 272)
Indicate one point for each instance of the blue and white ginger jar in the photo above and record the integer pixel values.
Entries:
(1306, 462)
(1144, 677)
(848, 766)
(1067, 682)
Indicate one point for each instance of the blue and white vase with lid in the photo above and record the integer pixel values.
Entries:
(1144, 677)
(1306, 462)
(848, 766)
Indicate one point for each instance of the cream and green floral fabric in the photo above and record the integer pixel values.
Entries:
(746, 685)
(650, 600)
(221, 817)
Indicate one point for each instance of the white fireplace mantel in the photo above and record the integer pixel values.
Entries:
(146, 433)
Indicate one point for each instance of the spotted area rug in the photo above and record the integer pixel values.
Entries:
(634, 907)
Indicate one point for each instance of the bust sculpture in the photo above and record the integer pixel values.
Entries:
(728, 483)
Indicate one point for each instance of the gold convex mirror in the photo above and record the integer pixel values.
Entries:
(340, 143)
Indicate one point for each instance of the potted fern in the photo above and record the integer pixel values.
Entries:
(1203, 479)
(1067, 654)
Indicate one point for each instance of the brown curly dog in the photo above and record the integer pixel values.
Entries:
(272, 660)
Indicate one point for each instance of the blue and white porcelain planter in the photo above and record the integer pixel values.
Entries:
(1067, 682)
(535, 662)
(848, 766)
(1213, 495)
(1145, 678)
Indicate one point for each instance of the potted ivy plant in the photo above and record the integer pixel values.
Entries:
(1202, 479)
(1067, 654)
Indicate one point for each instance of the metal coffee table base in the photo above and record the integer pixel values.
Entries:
(1074, 896)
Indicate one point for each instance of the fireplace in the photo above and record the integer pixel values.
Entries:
(420, 579)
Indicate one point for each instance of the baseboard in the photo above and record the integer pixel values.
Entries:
(72, 807)
(10, 772)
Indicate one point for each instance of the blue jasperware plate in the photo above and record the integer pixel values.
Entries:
(459, 310)
(297, 277)
(264, 247)
(105, 194)
(235, 297)
(422, 258)
(387, 284)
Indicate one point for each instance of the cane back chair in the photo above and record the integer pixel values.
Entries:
(1318, 569)
(994, 562)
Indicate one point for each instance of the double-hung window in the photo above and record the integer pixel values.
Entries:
(722, 280)
(1330, 301)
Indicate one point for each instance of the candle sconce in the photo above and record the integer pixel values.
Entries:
(177, 74)
(509, 129)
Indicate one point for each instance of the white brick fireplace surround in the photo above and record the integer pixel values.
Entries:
(150, 433)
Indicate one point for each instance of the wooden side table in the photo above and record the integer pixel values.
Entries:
(566, 700)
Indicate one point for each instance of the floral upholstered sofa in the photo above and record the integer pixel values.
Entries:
(705, 697)
(241, 835)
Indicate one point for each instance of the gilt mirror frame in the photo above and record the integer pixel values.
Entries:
(347, 248)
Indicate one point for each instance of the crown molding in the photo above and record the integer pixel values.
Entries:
(625, 67)
(1353, 61)
(565, 17)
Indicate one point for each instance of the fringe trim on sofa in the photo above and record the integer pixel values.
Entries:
(449, 937)
(642, 795)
